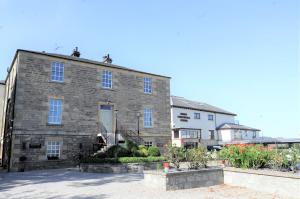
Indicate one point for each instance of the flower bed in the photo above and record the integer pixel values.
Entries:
(257, 156)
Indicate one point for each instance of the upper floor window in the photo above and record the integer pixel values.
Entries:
(147, 117)
(147, 85)
(210, 117)
(57, 73)
(55, 111)
(106, 79)
(197, 116)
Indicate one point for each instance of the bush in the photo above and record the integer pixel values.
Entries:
(123, 160)
(246, 156)
(153, 151)
(175, 155)
(100, 155)
(142, 151)
(117, 151)
(197, 157)
(130, 145)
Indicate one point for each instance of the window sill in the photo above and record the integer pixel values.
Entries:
(58, 125)
(107, 89)
(55, 82)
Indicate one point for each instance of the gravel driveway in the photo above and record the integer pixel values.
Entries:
(65, 183)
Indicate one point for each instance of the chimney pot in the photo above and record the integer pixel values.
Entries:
(75, 53)
(107, 59)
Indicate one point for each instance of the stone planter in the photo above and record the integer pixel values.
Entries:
(118, 168)
(186, 179)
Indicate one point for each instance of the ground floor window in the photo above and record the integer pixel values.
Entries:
(186, 133)
(212, 134)
(53, 149)
(148, 144)
(176, 134)
(190, 145)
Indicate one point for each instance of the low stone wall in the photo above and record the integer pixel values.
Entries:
(119, 168)
(184, 179)
(280, 183)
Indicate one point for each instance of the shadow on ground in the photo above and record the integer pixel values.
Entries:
(75, 178)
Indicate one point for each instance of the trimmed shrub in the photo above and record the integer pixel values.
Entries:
(142, 151)
(123, 160)
(153, 151)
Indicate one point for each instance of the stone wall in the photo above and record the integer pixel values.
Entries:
(119, 168)
(184, 179)
(82, 95)
(280, 183)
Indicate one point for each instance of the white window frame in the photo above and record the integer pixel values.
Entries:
(55, 111)
(53, 149)
(148, 144)
(148, 117)
(106, 79)
(147, 85)
(57, 71)
(210, 117)
(192, 134)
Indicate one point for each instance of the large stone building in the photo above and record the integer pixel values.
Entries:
(56, 107)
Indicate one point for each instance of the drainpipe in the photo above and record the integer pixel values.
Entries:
(216, 128)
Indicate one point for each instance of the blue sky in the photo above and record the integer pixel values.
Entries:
(240, 55)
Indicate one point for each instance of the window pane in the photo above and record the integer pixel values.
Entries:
(106, 79)
(57, 73)
(55, 111)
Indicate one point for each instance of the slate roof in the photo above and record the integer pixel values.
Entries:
(236, 126)
(181, 102)
(79, 59)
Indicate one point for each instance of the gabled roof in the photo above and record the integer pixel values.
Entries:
(68, 57)
(236, 126)
(181, 102)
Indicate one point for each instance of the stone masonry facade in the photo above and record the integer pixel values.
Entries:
(82, 94)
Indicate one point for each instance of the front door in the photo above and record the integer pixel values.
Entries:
(106, 123)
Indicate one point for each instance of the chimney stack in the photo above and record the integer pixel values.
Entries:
(75, 53)
(107, 59)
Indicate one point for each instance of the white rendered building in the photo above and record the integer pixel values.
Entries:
(195, 123)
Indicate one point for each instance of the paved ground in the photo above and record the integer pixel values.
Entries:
(64, 183)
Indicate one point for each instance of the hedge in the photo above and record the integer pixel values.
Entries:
(123, 160)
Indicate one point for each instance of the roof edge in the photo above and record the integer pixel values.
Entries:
(196, 109)
(82, 61)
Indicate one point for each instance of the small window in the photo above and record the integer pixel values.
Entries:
(106, 79)
(147, 85)
(57, 73)
(212, 134)
(147, 117)
(55, 111)
(210, 117)
(148, 144)
(197, 116)
(53, 149)
(176, 134)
